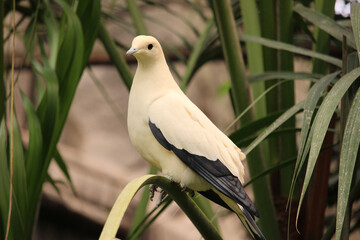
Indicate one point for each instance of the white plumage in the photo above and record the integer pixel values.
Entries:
(175, 136)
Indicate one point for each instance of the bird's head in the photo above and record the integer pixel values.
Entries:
(145, 49)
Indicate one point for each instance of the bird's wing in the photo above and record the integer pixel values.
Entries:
(179, 126)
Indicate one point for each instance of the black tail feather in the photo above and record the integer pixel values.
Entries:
(250, 223)
(255, 230)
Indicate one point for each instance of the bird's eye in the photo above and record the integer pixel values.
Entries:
(150, 46)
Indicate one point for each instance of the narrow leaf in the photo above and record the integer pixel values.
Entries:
(355, 23)
(283, 75)
(195, 54)
(253, 127)
(311, 101)
(16, 226)
(348, 155)
(326, 24)
(322, 121)
(291, 48)
(89, 15)
(283, 118)
(19, 180)
(115, 56)
(62, 165)
(4, 178)
(34, 161)
(207, 230)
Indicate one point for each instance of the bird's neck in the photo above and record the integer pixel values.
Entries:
(151, 63)
(155, 75)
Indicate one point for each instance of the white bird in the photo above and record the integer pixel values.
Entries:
(176, 137)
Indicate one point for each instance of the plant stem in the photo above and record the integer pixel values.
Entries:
(287, 96)
(240, 90)
(137, 18)
(119, 62)
(2, 64)
(195, 54)
(322, 38)
(254, 51)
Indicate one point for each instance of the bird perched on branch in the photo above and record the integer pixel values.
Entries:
(177, 138)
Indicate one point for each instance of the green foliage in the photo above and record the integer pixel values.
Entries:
(60, 73)
(267, 113)
(277, 31)
(198, 218)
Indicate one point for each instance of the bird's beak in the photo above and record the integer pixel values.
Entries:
(131, 51)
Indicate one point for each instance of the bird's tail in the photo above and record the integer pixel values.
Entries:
(245, 217)
(250, 225)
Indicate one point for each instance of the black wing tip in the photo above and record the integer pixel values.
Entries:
(252, 227)
(214, 172)
(211, 195)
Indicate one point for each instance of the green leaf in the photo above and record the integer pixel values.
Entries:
(283, 75)
(4, 178)
(326, 24)
(19, 180)
(311, 101)
(322, 121)
(62, 165)
(137, 18)
(253, 127)
(145, 224)
(277, 123)
(195, 54)
(348, 155)
(243, 142)
(291, 48)
(89, 15)
(250, 106)
(70, 63)
(116, 214)
(48, 109)
(141, 208)
(355, 23)
(53, 33)
(34, 161)
(270, 170)
(48, 112)
(115, 56)
(53, 184)
(30, 36)
(17, 230)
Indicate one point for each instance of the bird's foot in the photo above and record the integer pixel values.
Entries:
(152, 189)
(189, 191)
(162, 194)
(169, 177)
(161, 197)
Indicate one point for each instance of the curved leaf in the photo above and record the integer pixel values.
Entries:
(291, 48)
(34, 155)
(283, 118)
(310, 104)
(322, 121)
(207, 230)
(355, 23)
(19, 180)
(17, 228)
(348, 155)
(283, 75)
(326, 24)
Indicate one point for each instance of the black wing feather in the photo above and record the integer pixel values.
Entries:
(214, 172)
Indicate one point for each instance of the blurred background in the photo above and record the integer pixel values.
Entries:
(75, 151)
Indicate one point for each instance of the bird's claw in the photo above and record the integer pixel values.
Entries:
(152, 189)
(161, 197)
(189, 191)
